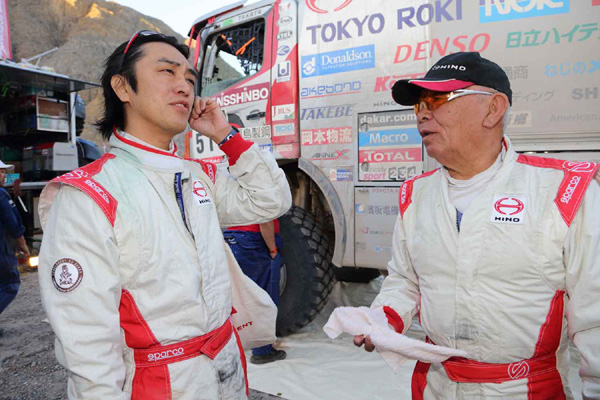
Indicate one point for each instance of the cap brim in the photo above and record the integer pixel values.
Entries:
(8, 167)
(407, 91)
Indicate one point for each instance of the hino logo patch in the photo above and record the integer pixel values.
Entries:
(66, 275)
(508, 209)
(201, 196)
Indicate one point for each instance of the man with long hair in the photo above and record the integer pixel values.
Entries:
(133, 269)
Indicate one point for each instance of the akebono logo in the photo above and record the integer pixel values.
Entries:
(508, 209)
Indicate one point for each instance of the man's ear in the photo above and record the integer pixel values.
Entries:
(497, 108)
(121, 87)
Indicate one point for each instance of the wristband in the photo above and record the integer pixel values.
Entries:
(274, 251)
(231, 134)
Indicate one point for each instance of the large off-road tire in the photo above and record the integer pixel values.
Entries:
(356, 275)
(308, 274)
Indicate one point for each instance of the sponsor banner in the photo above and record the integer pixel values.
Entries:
(283, 50)
(552, 35)
(331, 155)
(284, 71)
(389, 171)
(249, 15)
(243, 95)
(5, 43)
(373, 24)
(333, 89)
(283, 112)
(595, 2)
(397, 155)
(519, 119)
(333, 62)
(340, 175)
(376, 210)
(437, 48)
(322, 7)
(386, 119)
(504, 10)
(589, 93)
(283, 130)
(256, 132)
(290, 150)
(392, 137)
(284, 20)
(341, 135)
(283, 35)
(341, 111)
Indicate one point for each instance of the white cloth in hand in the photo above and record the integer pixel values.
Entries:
(395, 348)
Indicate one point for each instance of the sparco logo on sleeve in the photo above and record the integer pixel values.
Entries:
(165, 354)
(509, 209)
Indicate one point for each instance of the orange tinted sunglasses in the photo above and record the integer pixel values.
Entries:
(430, 100)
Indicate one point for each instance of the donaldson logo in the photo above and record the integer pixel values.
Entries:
(503, 10)
(333, 62)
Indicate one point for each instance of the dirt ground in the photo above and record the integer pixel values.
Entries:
(28, 368)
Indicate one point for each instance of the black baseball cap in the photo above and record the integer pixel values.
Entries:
(453, 72)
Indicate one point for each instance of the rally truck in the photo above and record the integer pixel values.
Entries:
(310, 81)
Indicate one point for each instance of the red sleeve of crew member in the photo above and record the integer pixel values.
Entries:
(234, 148)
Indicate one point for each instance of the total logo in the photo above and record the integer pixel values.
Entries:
(312, 6)
(503, 10)
(508, 209)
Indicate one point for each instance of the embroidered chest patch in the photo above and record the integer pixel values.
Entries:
(200, 194)
(67, 274)
(508, 209)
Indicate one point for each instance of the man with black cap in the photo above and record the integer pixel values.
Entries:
(497, 253)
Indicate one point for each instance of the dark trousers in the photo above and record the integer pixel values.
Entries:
(252, 254)
(8, 292)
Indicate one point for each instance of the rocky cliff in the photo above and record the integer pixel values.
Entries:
(85, 32)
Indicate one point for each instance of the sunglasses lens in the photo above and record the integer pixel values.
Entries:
(431, 101)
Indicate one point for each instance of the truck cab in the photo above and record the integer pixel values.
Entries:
(310, 81)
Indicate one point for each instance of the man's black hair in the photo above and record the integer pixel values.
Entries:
(114, 112)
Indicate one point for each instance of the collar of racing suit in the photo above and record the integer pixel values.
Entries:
(145, 155)
(507, 157)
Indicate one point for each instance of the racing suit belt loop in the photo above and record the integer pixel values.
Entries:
(209, 344)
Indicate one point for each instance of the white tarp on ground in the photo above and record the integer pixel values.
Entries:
(318, 368)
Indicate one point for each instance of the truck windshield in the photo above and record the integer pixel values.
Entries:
(231, 56)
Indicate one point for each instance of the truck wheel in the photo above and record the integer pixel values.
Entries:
(308, 272)
(356, 275)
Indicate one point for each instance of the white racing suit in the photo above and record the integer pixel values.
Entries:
(140, 300)
(521, 275)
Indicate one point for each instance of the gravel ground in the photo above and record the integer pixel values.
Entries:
(28, 368)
